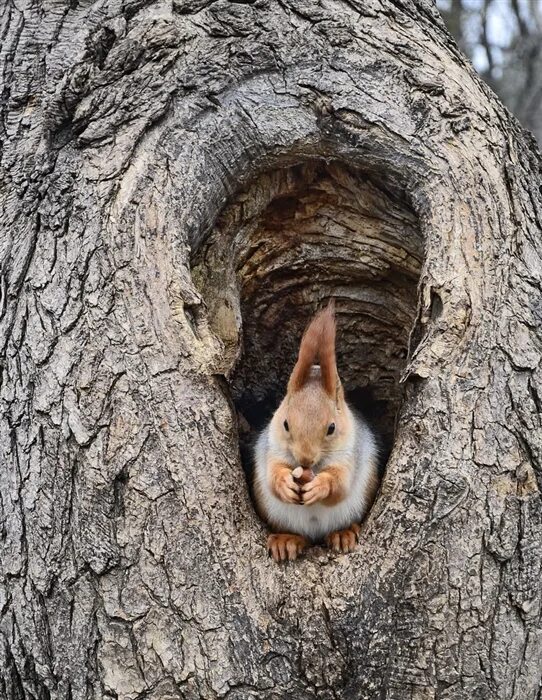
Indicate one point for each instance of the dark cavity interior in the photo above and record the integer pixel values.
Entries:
(294, 239)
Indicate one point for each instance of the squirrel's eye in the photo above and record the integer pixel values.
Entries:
(286, 426)
(331, 429)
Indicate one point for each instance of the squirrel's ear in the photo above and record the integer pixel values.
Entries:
(318, 342)
(308, 352)
(339, 394)
(328, 363)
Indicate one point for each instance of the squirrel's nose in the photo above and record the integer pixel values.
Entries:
(306, 463)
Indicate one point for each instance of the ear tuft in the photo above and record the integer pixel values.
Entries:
(318, 343)
(328, 362)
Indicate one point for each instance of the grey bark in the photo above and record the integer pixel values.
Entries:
(181, 184)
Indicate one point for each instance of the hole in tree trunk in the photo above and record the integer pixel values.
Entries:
(295, 238)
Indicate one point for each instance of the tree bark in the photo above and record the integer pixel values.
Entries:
(181, 183)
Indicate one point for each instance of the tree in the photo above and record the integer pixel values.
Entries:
(182, 184)
(504, 40)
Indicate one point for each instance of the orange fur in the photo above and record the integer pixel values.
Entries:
(309, 413)
(318, 343)
(282, 482)
(285, 546)
(328, 487)
(326, 355)
(344, 540)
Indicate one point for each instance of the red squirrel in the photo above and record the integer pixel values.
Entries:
(315, 470)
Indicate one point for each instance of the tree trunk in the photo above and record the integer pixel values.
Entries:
(183, 183)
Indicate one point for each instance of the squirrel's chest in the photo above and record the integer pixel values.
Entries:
(314, 522)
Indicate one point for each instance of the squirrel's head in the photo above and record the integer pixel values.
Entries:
(313, 420)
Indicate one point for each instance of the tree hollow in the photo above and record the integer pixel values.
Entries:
(290, 241)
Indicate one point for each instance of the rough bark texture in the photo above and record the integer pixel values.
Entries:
(182, 180)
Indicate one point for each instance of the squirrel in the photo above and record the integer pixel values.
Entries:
(316, 462)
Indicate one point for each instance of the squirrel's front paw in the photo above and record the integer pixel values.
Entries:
(286, 489)
(316, 490)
